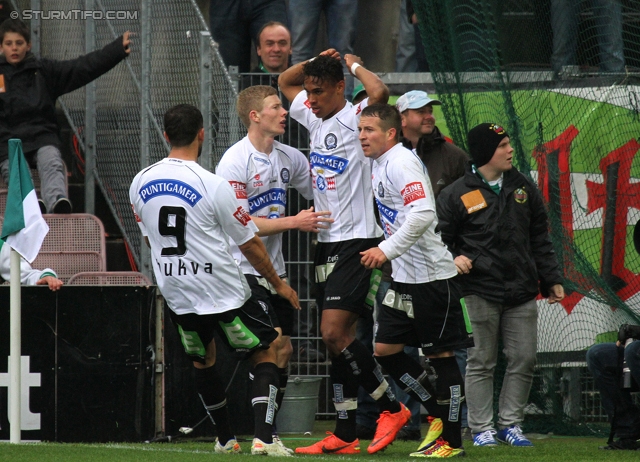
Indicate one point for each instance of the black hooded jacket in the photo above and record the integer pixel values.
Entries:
(505, 236)
(28, 97)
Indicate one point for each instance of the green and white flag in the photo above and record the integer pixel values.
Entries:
(23, 229)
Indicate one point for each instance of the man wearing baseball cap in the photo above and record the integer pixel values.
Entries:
(494, 223)
(445, 162)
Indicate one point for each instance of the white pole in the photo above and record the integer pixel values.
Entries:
(15, 331)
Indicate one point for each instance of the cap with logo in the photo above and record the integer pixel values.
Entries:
(483, 141)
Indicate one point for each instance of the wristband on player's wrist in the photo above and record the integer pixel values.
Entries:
(354, 66)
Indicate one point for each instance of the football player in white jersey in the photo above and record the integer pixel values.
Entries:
(261, 170)
(187, 215)
(341, 178)
(422, 307)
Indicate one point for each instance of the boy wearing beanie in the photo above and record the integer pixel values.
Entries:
(494, 222)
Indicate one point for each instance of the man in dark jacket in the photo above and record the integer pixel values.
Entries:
(29, 88)
(494, 222)
(445, 161)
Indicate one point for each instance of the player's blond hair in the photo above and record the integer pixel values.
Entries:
(252, 99)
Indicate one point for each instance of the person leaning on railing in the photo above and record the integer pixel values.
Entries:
(28, 275)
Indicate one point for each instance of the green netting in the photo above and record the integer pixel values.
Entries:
(574, 129)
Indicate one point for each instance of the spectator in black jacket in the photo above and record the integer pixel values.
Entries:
(494, 222)
(29, 88)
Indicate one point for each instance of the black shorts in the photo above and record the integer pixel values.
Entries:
(244, 329)
(280, 309)
(341, 280)
(427, 316)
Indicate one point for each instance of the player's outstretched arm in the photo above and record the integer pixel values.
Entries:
(307, 220)
(376, 90)
(256, 253)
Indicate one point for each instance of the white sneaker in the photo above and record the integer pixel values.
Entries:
(277, 440)
(261, 448)
(232, 447)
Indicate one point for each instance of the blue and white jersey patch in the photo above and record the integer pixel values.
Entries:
(275, 196)
(168, 187)
(333, 163)
(389, 214)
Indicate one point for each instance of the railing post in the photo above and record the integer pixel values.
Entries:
(145, 103)
(205, 98)
(90, 124)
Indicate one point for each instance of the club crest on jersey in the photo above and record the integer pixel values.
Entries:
(321, 184)
(333, 163)
(274, 212)
(380, 189)
(285, 176)
(331, 141)
(272, 197)
(242, 216)
(412, 192)
(520, 195)
(166, 187)
(386, 212)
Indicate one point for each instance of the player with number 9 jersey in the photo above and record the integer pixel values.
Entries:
(188, 215)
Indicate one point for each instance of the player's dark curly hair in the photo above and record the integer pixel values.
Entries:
(388, 115)
(324, 69)
(182, 124)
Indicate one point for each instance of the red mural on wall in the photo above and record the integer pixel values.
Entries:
(615, 195)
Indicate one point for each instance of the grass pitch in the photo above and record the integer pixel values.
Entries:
(546, 448)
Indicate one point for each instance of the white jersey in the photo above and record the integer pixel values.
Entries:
(188, 214)
(340, 172)
(400, 184)
(261, 181)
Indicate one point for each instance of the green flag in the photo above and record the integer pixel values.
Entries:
(24, 228)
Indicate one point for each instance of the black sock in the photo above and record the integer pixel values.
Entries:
(413, 379)
(450, 394)
(264, 390)
(210, 387)
(365, 369)
(283, 372)
(345, 399)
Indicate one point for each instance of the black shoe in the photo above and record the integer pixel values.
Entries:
(625, 444)
(408, 434)
(43, 208)
(62, 206)
(364, 433)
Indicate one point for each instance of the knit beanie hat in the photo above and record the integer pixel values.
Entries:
(483, 141)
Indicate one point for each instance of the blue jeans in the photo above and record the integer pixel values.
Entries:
(340, 16)
(602, 361)
(235, 23)
(565, 15)
(517, 326)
